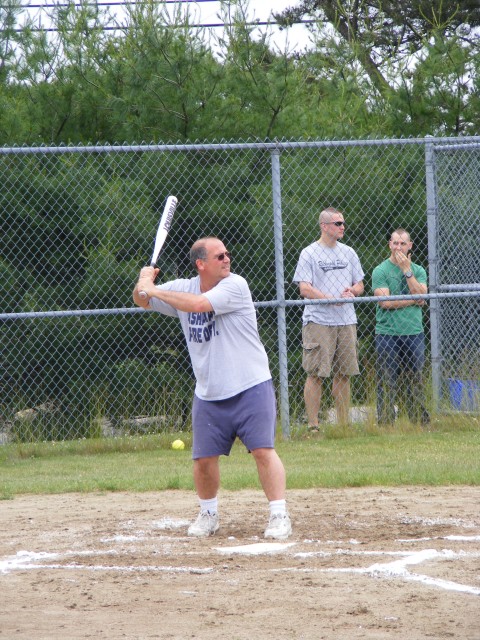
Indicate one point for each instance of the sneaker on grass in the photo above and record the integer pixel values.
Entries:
(279, 527)
(206, 524)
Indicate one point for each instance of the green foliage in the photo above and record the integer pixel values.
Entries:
(374, 69)
(136, 389)
(263, 87)
(165, 79)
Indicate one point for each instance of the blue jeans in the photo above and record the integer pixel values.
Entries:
(396, 356)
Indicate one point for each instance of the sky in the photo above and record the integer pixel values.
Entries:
(295, 38)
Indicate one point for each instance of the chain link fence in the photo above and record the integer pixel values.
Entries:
(79, 360)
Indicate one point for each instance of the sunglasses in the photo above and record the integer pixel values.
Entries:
(338, 223)
(221, 256)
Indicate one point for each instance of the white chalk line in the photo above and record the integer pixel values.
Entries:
(27, 560)
(398, 568)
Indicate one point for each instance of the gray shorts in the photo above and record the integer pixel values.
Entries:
(251, 416)
(328, 350)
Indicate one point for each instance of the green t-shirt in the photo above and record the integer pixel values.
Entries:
(407, 321)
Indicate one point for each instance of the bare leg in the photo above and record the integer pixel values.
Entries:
(313, 398)
(271, 473)
(341, 393)
(206, 476)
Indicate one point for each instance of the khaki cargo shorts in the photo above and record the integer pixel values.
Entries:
(330, 350)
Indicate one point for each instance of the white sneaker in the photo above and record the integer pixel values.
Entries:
(206, 524)
(279, 527)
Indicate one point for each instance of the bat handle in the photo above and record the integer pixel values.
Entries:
(143, 294)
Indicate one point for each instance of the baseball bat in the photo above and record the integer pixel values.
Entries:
(162, 233)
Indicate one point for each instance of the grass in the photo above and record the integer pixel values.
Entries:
(348, 458)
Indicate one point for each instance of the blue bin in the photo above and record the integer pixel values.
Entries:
(464, 394)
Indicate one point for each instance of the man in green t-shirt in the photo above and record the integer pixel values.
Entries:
(399, 337)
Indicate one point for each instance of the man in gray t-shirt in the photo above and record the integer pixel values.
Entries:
(226, 334)
(234, 394)
(326, 269)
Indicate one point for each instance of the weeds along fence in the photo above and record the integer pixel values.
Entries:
(79, 360)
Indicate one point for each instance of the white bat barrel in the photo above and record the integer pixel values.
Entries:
(162, 232)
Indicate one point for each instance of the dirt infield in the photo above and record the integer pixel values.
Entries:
(362, 563)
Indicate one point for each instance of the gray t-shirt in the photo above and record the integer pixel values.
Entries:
(224, 346)
(329, 269)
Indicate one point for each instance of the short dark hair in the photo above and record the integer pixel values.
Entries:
(199, 250)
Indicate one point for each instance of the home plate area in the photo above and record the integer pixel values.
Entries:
(361, 563)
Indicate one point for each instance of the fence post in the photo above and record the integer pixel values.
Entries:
(280, 284)
(432, 217)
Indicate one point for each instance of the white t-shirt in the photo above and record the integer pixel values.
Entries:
(224, 346)
(329, 269)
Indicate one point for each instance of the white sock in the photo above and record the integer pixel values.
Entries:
(210, 505)
(278, 507)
